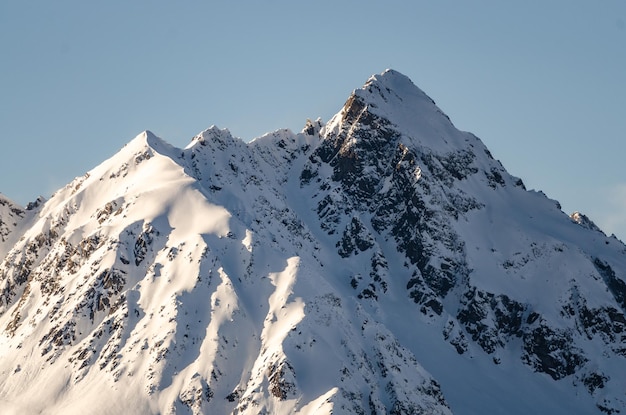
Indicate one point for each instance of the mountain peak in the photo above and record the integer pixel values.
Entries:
(393, 99)
(146, 139)
(381, 263)
(392, 80)
(157, 143)
(221, 136)
(393, 88)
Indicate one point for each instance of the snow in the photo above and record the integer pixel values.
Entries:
(203, 280)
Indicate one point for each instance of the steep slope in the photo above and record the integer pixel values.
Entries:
(171, 278)
(12, 219)
(381, 263)
(502, 271)
(10, 215)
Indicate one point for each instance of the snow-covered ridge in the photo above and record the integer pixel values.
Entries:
(383, 262)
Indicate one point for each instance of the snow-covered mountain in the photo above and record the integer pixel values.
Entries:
(380, 263)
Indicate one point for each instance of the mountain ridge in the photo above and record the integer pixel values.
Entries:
(382, 262)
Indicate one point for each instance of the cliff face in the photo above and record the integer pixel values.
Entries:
(383, 262)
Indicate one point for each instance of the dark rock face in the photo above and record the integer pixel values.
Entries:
(551, 351)
(616, 286)
(10, 216)
(282, 381)
(605, 323)
(373, 172)
(491, 320)
(143, 243)
(355, 239)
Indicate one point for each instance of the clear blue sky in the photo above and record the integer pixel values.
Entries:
(543, 84)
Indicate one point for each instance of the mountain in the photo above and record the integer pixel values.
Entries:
(380, 263)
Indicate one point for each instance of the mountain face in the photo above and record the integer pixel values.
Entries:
(380, 263)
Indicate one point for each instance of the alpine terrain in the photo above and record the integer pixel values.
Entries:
(380, 263)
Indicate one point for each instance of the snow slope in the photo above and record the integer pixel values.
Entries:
(383, 262)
